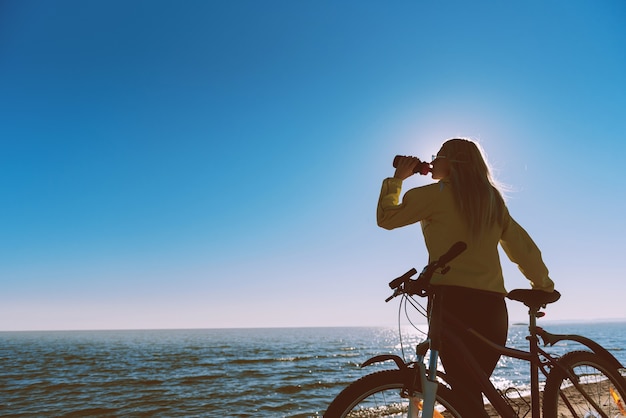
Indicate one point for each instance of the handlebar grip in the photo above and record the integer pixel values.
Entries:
(452, 253)
(398, 281)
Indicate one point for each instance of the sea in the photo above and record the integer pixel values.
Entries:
(274, 372)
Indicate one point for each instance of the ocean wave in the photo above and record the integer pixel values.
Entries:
(196, 380)
(285, 359)
(91, 412)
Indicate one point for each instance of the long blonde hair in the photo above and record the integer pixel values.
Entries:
(480, 202)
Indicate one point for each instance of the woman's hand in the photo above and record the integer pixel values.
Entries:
(405, 167)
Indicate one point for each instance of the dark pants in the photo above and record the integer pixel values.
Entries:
(486, 313)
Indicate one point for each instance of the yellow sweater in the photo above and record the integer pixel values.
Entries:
(478, 267)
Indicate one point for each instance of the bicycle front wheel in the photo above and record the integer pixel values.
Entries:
(600, 390)
(380, 395)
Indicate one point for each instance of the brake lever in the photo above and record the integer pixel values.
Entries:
(396, 292)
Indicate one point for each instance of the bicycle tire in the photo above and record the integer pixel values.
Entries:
(598, 379)
(378, 395)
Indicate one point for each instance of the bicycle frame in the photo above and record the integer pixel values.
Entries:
(534, 357)
(539, 360)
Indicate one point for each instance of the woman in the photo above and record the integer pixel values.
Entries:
(465, 206)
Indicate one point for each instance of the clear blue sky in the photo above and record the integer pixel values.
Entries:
(170, 164)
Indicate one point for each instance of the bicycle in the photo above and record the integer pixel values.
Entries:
(584, 383)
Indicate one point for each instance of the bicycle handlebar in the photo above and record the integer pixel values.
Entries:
(454, 251)
(404, 284)
(399, 280)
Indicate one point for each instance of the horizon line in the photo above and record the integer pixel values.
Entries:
(512, 323)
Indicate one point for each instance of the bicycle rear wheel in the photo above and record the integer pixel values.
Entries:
(601, 391)
(379, 395)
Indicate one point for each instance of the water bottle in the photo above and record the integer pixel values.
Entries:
(421, 167)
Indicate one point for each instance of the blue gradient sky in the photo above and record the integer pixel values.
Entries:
(217, 164)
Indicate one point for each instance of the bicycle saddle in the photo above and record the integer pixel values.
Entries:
(533, 298)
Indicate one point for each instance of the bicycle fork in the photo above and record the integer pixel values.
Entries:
(429, 389)
(429, 380)
(429, 386)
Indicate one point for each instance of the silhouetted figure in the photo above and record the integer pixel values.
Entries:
(465, 205)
